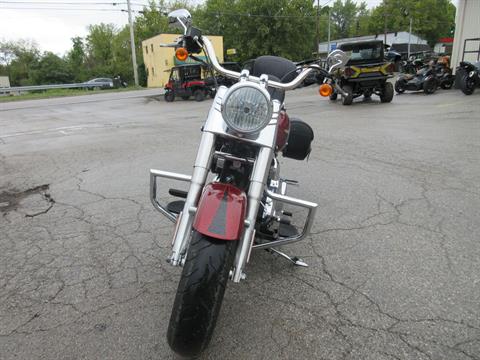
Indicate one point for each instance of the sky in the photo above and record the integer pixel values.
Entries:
(52, 23)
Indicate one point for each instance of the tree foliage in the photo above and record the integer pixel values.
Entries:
(431, 19)
(253, 27)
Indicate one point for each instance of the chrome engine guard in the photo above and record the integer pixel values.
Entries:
(310, 206)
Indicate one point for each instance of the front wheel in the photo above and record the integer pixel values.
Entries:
(468, 85)
(169, 96)
(200, 294)
(400, 86)
(199, 95)
(430, 86)
(347, 99)
(387, 93)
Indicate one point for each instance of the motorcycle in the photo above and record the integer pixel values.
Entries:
(428, 79)
(471, 78)
(411, 66)
(219, 223)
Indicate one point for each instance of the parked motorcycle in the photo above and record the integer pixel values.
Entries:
(428, 79)
(219, 223)
(411, 66)
(471, 79)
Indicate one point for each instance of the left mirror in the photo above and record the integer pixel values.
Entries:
(180, 18)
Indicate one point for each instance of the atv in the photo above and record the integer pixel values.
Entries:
(186, 81)
(366, 73)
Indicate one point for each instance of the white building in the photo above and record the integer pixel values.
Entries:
(400, 37)
(4, 82)
(466, 43)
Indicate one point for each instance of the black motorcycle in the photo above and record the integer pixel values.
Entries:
(471, 78)
(424, 79)
(411, 66)
(428, 79)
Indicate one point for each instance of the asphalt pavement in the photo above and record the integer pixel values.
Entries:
(394, 269)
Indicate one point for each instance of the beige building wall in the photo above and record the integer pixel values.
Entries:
(159, 60)
(467, 26)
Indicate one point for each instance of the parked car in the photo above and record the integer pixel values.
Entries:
(366, 73)
(99, 83)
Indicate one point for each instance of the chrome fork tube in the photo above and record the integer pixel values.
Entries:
(199, 176)
(258, 181)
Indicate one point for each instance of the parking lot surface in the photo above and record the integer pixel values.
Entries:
(394, 255)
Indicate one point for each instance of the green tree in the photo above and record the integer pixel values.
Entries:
(76, 60)
(348, 18)
(51, 69)
(19, 58)
(99, 45)
(432, 19)
(276, 27)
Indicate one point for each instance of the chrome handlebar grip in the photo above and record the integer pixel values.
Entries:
(210, 52)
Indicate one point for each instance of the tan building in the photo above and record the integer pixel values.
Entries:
(159, 60)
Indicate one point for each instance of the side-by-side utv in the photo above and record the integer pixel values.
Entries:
(186, 81)
(366, 72)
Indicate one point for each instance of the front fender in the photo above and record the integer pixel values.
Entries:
(221, 211)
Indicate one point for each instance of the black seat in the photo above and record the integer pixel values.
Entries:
(277, 69)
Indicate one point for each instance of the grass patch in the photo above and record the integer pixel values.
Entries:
(53, 93)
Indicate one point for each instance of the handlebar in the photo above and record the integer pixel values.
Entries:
(210, 52)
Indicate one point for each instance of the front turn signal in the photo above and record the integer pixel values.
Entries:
(325, 90)
(181, 54)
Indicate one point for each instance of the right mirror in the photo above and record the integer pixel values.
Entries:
(337, 59)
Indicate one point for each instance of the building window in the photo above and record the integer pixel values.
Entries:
(152, 48)
(153, 71)
(146, 49)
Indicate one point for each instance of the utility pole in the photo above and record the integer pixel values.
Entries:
(329, 16)
(385, 28)
(409, 37)
(132, 44)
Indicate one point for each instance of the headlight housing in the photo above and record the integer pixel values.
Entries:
(246, 108)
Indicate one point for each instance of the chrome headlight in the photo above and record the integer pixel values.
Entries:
(247, 108)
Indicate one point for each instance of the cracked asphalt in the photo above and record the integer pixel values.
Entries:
(394, 255)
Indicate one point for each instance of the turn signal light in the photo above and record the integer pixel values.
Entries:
(181, 54)
(325, 90)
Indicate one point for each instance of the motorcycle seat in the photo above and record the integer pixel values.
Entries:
(277, 69)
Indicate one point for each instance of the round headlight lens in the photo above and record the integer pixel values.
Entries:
(247, 109)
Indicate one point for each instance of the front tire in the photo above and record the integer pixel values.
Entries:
(430, 86)
(387, 93)
(199, 95)
(200, 294)
(348, 98)
(400, 86)
(169, 96)
(468, 85)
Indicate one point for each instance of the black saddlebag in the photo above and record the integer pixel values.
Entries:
(299, 140)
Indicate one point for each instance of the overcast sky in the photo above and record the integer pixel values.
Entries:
(52, 26)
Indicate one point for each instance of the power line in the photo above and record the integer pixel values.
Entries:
(67, 9)
(114, 3)
(23, 4)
